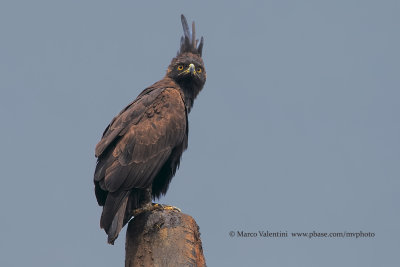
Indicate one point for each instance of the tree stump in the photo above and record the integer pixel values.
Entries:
(163, 238)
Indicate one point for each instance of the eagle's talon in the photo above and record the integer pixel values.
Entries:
(154, 206)
(166, 207)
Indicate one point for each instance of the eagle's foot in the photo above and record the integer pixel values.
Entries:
(154, 206)
(144, 208)
(165, 207)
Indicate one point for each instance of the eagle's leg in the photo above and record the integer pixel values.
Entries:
(147, 204)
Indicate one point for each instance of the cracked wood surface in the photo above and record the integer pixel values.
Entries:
(163, 238)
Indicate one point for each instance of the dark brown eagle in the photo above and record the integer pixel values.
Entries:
(142, 146)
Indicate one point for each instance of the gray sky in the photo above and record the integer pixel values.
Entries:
(297, 128)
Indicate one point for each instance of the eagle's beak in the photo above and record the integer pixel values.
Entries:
(191, 69)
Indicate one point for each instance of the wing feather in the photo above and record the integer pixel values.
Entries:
(128, 116)
(143, 144)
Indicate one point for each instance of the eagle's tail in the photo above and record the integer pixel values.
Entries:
(112, 218)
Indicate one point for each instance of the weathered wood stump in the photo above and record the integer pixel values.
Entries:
(163, 238)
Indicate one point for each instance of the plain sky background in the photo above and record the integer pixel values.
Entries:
(297, 128)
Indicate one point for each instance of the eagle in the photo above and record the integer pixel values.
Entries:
(141, 148)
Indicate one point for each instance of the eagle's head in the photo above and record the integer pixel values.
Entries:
(187, 68)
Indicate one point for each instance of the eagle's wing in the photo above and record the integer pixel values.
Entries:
(140, 139)
(131, 114)
(133, 149)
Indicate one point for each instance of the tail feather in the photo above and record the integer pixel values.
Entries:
(112, 218)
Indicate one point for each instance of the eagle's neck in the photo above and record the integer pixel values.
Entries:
(190, 91)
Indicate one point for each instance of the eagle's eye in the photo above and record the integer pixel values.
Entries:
(198, 70)
(180, 67)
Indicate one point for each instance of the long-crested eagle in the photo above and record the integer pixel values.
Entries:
(141, 148)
